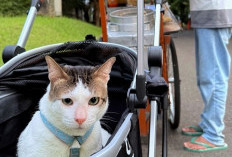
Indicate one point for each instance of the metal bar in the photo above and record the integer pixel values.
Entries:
(140, 36)
(165, 127)
(164, 134)
(112, 149)
(157, 25)
(153, 129)
(27, 27)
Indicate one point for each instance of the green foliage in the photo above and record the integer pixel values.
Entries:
(14, 7)
(180, 8)
(69, 5)
(45, 31)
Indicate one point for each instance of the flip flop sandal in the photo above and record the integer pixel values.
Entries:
(207, 148)
(198, 131)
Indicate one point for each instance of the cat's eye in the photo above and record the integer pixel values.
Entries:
(94, 101)
(67, 101)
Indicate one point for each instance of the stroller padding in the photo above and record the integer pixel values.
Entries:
(28, 80)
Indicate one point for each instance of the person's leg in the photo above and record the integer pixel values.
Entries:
(212, 68)
(213, 74)
(190, 129)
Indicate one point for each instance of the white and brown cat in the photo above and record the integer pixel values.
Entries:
(67, 123)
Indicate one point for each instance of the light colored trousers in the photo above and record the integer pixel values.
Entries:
(213, 69)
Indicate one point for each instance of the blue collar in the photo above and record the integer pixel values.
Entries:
(67, 139)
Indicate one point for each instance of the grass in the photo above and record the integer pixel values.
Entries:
(45, 31)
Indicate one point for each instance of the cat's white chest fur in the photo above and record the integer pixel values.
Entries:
(37, 141)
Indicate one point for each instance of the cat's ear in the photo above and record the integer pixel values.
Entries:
(55, 72)
(104, 70)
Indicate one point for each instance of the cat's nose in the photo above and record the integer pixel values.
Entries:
(80, 120)
(80, 115)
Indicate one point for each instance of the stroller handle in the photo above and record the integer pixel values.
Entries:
(140, 36)
(140, 78)
(12, 50)
(35, 6)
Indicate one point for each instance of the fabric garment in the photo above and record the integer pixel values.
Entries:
(213, 69)
(211, 13)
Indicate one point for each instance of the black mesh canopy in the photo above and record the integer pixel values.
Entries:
(23, 86)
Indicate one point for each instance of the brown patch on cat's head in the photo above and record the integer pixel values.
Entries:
(64, 79)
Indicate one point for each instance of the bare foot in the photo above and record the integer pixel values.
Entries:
(190, 129)
(196, 146)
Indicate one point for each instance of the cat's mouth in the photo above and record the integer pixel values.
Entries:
(74, 125)
(80, 127)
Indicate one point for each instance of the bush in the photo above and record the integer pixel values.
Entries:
(180, 8)
(14, 7)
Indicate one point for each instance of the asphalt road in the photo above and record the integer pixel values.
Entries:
(191, 104)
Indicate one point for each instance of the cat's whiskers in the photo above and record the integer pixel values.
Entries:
(109, 119)
(112, 113)
(108, 116)
(90, 121)
(106, 126)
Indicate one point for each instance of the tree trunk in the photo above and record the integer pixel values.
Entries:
(51, 8)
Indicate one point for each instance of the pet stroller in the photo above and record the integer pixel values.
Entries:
(23, 81)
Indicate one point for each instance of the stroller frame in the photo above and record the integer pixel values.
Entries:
(138, 94)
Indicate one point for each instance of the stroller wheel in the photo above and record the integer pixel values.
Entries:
(174, 86)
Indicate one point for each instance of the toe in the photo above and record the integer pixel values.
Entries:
(193, 146)
(187, 129)
(196, 146)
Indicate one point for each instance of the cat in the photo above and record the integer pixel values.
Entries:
(75, 100)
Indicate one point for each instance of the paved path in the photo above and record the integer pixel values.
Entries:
(191, 103)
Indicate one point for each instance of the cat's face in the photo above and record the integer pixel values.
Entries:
(78, 94)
